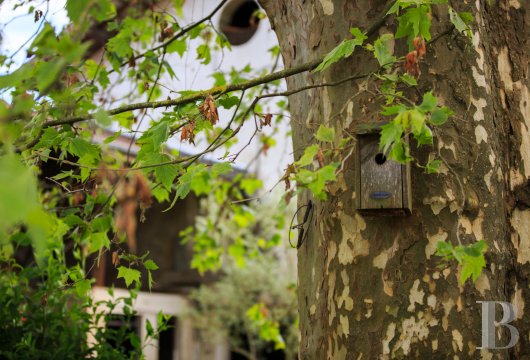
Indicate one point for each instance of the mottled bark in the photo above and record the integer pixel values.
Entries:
(369, 286)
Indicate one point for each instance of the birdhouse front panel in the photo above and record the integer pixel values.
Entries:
(384, 184)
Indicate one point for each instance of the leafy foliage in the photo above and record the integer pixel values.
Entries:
(343, 50)
(254, 307)
(470, 257)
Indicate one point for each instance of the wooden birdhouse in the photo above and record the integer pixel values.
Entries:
(383, 185)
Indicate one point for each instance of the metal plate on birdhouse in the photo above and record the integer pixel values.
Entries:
(383, 184)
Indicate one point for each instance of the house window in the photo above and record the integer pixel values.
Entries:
(239, 21)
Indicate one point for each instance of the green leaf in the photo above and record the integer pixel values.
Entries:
(433, 166)
(429, 102)
(220, 169)
(440, 115)
(18, 191)
(125, 119)
(98, 241)
(250, 186)
(309, 154)
(393, 110)
(390, 133)
(472, 267)
(325, 134)
(104, 10)
(75, 8)
(237, 251)
(343, 50)
(178, 46)
(150, 265)
(414, 22)
(408, 79)
(203, 53)
(470, 257)
(228, 102)
(129, 275)
(121, 44)
(459, 23)
(399, 152)
(383, 52)
(82, 287)
(102, 117)
(425, 136)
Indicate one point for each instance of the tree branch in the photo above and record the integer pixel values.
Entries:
(183, 31)
(282, 74)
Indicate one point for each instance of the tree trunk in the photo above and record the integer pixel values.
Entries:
(369, 287)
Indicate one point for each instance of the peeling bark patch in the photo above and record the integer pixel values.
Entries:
(480, 104)
(458, 340)
(473, 227)
(430, 249)
(448, 306)
(413, 331)
(327, 6)
(345, 298)
(480, 79)
(416, 296)
(332, 252)
(483, 284)
(524, 107)
(521, 238)
(345, 325)
(351, 234)
(331, 303)
(478, 49)
(437, 204)
(481, 134)
(515, 4)
(505, 69)
(518, 302)
(390, 333)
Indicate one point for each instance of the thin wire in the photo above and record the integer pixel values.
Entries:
(302, 235)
